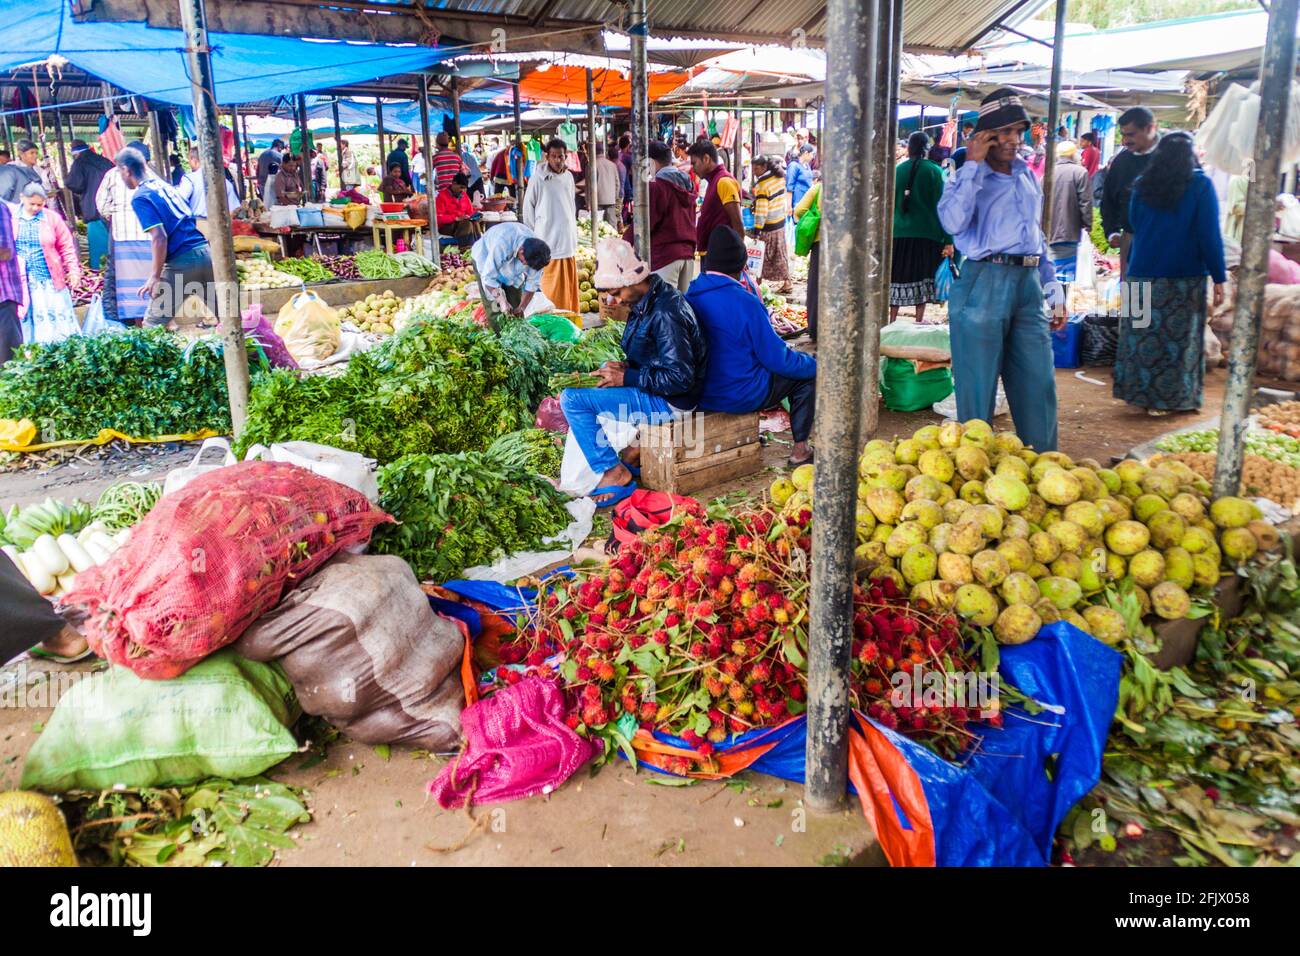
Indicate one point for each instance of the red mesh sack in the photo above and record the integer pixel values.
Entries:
(213, 556)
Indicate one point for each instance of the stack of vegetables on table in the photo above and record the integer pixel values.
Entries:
(89, 284)
(308, 270)
(1271, 467)
(588, 296)
(341, 267)
(52, 542)
(141, 382)
(431, 304)
(375, 313)
(1282, 417)
(456, 281)
(377, 265)
(257, 273)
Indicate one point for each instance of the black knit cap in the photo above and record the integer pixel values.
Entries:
(1001, 108)
(726, 252)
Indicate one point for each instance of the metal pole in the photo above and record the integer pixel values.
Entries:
(338, 139)
(881, 172)
(638, 31)
(159, 145)
(519, 145)
(248, 150)
(379, 128)
(429, 177)
(1276, 69)
(304, 154)
(1053, 117)
(891, 142)
(593, 204)
(9, 137)
(240, 147)
(455, 110)
(844, 227)
(203, 89)
(64, 191)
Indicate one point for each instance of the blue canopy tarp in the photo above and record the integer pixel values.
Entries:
(359, 117)
(151, 62)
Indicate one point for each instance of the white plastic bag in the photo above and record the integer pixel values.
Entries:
(50, 311)
(948, 407)
(754, 250)
(576, 476)
(284, 217)
(178, 478)
(94, 323)
(346, 467)
(1085, 271)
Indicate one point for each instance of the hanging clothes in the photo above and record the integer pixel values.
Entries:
(569, 133)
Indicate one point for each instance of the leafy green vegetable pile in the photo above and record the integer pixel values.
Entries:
(1212, 765)
(307, 270)
(377, 265)
(414, 264)
(592, 350)
(534, 450)
(22, 526)
(218, 822)
(438, 386)
(459, 511)
(141, 382)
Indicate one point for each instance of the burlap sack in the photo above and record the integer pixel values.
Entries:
(365, 651)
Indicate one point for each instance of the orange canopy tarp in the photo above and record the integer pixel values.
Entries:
(567, 84)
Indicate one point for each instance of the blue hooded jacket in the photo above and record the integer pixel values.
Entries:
(744, 349)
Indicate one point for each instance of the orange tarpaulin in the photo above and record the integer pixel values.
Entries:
(568, 84)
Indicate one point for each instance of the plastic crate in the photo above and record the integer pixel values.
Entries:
(1067, 344)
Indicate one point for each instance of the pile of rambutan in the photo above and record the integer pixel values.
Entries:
(698, 629)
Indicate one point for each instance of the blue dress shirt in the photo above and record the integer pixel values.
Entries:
(989, 213)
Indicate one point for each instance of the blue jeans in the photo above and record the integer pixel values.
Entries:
(998, 325)
(582, 406)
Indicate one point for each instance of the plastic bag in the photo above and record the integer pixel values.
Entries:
(948, 407)
(806, 229)
(284, 217)
(576, 476)
(309, 327)
(209, 559)
(51, 314)
(555, 328)
(227, 717)
(754, 250)
(348, 468)
(258, 326)
(95, 323)
(178, 478)
(1085, 267)
(550, 416)
(943, 280)
(921, 341)
(365, 651)
(906, 390)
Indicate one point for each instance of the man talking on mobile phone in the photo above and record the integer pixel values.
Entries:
(992, 208)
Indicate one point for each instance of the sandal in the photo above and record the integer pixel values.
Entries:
(791, 463)
(42, 654)
(617, 493)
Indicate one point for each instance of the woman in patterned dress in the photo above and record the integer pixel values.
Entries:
(48, 253)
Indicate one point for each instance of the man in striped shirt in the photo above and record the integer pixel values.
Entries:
(446, 163)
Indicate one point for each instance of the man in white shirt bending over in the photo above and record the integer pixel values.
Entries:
(193, 190)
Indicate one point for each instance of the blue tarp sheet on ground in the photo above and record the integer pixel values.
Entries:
(150, 62)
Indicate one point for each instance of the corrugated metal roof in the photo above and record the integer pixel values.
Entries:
(928, 25)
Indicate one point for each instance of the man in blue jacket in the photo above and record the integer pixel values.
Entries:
(749, 367)
(666, 354)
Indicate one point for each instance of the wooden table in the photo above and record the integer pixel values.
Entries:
(311, 235)
(415, 226)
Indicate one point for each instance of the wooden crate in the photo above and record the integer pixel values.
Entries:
(702, 450)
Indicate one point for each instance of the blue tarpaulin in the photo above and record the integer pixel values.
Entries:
(151, 62)
(358, 117)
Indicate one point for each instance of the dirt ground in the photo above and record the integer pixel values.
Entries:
(372, 811)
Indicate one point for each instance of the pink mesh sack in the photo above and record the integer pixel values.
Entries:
(210, 558)
(516, 745)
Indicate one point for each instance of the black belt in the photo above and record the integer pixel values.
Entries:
(1029, 262)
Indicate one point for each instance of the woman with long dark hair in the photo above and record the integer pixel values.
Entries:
(1174, 214)
(920, 242)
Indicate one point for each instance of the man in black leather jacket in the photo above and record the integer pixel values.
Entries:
(661, 379)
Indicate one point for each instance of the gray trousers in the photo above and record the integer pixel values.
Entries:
(186, 274)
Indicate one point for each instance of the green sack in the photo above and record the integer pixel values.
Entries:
(906, 391)
(555, 328)
(806, 229)
(225, 717)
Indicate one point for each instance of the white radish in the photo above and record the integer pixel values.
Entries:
(47, 549)
(97, 554)
(76, 554)
(123, 536)
(13, 555)
(106, 544)
(66, 581)
(34, 569)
